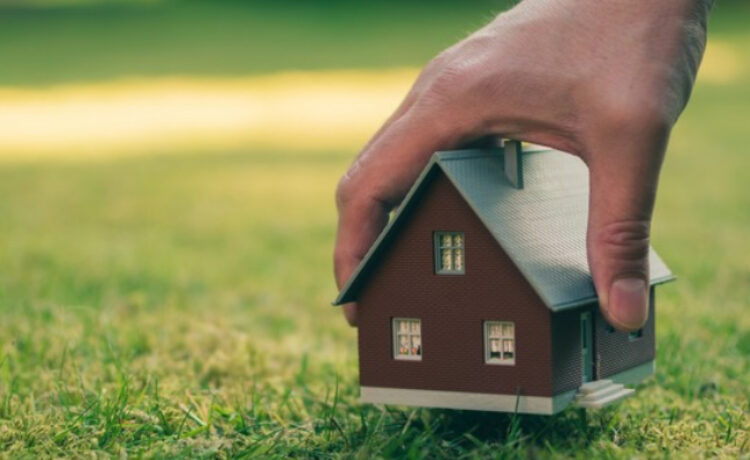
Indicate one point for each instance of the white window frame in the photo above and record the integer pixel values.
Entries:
(438, 253)
(488, 359)
(397, 343)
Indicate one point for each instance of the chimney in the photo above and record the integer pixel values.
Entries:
(513, 162)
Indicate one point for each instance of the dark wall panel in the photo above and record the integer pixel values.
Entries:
(451, 307)
(616, 352)
(566, 349)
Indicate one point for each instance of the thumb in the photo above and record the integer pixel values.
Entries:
(623, 176)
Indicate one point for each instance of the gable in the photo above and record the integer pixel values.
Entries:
(405, 271)
(452, 309)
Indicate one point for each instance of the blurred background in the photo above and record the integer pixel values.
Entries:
(167, 171)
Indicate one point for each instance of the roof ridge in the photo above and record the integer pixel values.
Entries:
(484, 152)
(462, 154)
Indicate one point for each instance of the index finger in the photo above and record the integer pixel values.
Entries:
(378, 181)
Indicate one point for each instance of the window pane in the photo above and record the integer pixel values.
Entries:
(447, 259)
(495, 349)
(416, 345)
(508, 345)
(500, 343)
(407, 338)
(459, 253)
(449, 253)
(404, 344)
(508, 330)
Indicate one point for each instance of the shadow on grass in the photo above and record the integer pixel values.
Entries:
(458, 432)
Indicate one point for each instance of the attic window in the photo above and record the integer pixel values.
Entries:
(449, 253)
(499, 342)
(407, 339)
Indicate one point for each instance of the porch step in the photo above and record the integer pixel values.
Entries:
(611, 399)
(604, 393)
(590, 387)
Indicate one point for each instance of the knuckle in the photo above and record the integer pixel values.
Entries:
(444, 84)
(625, 241)
(641, 114)
(447, 104)
(434, 68)
(344, 190)
(453, 80)
(341, 192)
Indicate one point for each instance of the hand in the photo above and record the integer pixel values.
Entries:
(602, 79)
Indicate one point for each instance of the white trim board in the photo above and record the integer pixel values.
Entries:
(634, 374)
(468, 401)
(490, 401)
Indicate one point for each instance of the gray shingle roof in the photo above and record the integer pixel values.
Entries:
(541, 227)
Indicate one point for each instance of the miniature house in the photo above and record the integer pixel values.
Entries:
(478, 295)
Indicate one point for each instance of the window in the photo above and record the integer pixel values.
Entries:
(499, 342)
(635, 335)
(407, 339)
(449, 253)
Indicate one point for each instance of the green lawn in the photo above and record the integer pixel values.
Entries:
(180, 304)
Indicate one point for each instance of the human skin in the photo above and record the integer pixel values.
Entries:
(604, 80)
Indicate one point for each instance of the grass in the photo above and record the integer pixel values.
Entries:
(178, 305)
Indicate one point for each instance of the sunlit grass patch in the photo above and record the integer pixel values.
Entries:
(722, 63)
(295, 110)
(304, 111)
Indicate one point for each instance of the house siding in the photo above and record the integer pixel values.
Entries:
(615, 352)
(451, 308)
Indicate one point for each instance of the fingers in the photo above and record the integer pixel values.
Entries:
(347, 264)
(361, 219)
(624, 171)
(377, 181)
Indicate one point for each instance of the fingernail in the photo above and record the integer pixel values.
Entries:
(628, 302)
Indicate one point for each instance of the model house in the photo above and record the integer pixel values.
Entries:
(478, 295)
